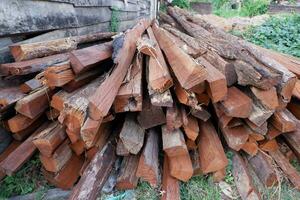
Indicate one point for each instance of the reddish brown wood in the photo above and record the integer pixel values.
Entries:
(121, 149)
(191, 145)
(263, 129)
(9, 96)
(173, 117)
(52, 114)
(194, 155)
(6, 153)
(267, 98)
(20, 123)
(203, 99)
(272, 132)
(59, 74)
(219, 175)
(284, 121)
(127, 178)
(184, 96)
(250, 148)
(30, 86)
(181, 167)
(102, 100)
(236, 137)
(296, 90)
(211, 152)
(78, 147)
(191, 128)
(293, 140)
(269, 145)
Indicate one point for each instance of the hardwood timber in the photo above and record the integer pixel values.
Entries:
(84, 59)
(190, 144)
(121, 149)
(191, 129)
(250, 148)
(50, 138)
(181, 167)
(194, 155)
(293, 140)
(34, 104)
(20, 123)
(263, 166)
(170, 185)
(101, 101)
(78, 147)
(21, 154)
(203, 99)
(287, 168)
(30, 86)
(236, 137)
(242, 179)
(187, 71)
(269, 145)
(127, 178)
(256, 136)
(31, 66)
(68, 175)
(59, 157)
(132, 134)
(9, 96)
(296, 90)
(286, 150)
(284, 121)
(263, 129)
(146, 46)
(216, 82)
(161, 99)
(6, 153)
(130, 95)
(58, 99)
(52, 114)
(267, 98)
(200, 113)
(173, 117)
(184, 96)
(46, 48)
(211, 152)
(237, 104)
(95, 175)
(219, 175)
(59, 74)
(272, 132)
(223, 119)
(73, 136)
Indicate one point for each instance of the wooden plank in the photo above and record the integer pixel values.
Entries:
(170, 185)
(52, 114)
(237, 104)
(194, 155)
(148, 166)
(84, 59)
(58, 159)
(59, 74)
(264, 168)
(95, 175)
(211, 152)
(263, 129)
(284, 121)
(219, 175)
(121, 149)
(30, 86)
(272, 132)
(49, 139)
(187, 71)
(130, 95)
(20, 123)
(11, 148)
(184, 96)
(287, 168)
(242, 179)
(216, 82)
(191, 128)
(9, 96)
(21, 154)
(78, 147)
(181, 167)
(31, 66)
(34, 104)
(127, 178)
(268, 145)
(125, 45)
(293, 140)
(251, 148)
(68, 175)
(236, 137)
(267, 98)
(173, 117)
(132, 134)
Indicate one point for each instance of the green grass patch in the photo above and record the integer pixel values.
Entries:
(115, 21)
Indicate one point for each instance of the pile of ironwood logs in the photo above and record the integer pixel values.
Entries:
(178, 88)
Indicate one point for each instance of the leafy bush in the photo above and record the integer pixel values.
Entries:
(254, 7)
(181, 3)
(279, 33)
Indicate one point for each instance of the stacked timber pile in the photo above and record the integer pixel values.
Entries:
(154, 88)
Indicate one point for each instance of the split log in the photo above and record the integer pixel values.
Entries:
(78, 147)
(173, 142)
(130, 95)
(216, 82)
(59, 74)
(223, 119)
(146, 46)
(29, 51)
(250, 148)
(269, 145)
(194, 155)
(284, 121)
(190, 144)
(267, 98)
(58, 99)
(34, 104)
(21, 154)
(219, 175)
(237, 104)
(50, 138)
(148, 166)
(67, 176)
(203, 99)
(185, 97)
(211, 152)
(242, 179)
(191, 128)
(125, 45)
(132, 134)
(181, 167)
(158, 75)
(256, 136)
(293, 140)
(127, 178)
(272, 132)
(30, 86)
(58, 159)
(263, 167)
(9, 96)
(287, 168)
(286, 150)
(95, 175)
(84, 59)
(20, 123)
(174, 117)
(170, 185)
(73, 136)
(121, 149)
(52, 114)
(161, 99)
(11, 148)
(236, 137)
(168, 19)
(32, 66)
(187, 71)
(263, 129)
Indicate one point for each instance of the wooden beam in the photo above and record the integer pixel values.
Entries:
(20, 123)
(148, 166)
(284, 121)
(125, 46)
(191, 128)
(181, 167)
(251, 148)
(194, 155)
(267, 98)
(9, 96)
(293, 140)
(211, 152)
(219, 175)
(263, 129)
(236, 137)
(127, 178)
(59, 74)
(121, 149)
(174, 117)
(268, 145)
(11, 148)
(132, 134)
(296, 90)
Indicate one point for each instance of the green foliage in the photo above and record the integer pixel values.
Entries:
(229, 177)
(181, 3)
(145, 192)
(27, 180)
(115, 21)
(278, 33)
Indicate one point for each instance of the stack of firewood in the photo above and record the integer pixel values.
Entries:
(154, 88)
